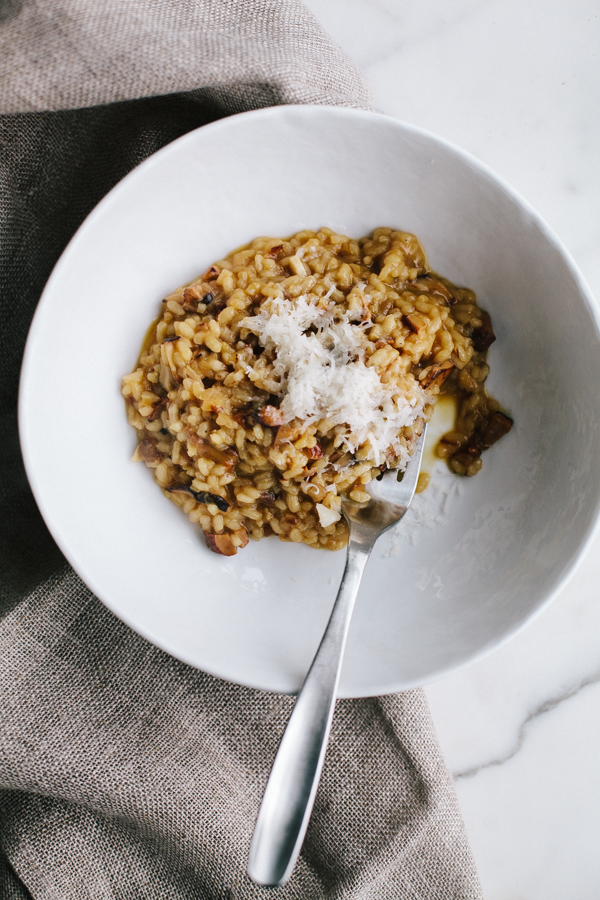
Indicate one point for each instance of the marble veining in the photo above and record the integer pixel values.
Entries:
(518, 85)
(547, 706)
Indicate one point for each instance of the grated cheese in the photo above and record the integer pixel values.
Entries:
(327, 516)
(321, 373)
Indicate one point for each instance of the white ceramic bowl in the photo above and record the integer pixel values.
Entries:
(504, 543)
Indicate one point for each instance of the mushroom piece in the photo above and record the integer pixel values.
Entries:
(287, 433)
(436, 375)
(226, 458)
(271, 416)
(415, 322)
(222, 543)
(168, 370)
(483, 337)
(191, 298)
(148, 451)
(216, 303)
(158, 408)
(246, 417)
(429, 285)
(498, 425)
(315, 452)
(205, 450)
(290, 519)
(165, 377)
(268, 498)
(200, 496)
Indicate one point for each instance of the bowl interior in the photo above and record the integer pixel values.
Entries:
(472, 561)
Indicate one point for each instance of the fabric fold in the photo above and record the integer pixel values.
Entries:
(65, 54)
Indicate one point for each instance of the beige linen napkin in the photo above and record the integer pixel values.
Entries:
(124, 773)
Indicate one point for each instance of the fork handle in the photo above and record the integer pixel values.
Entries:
(290, 793)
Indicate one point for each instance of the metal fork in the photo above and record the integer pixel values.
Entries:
(290, 793)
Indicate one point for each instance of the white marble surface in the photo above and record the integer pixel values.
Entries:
(517, 83)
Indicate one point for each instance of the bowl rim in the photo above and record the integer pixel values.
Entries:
(226, 123)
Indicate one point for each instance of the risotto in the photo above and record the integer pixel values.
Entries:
(294, 371)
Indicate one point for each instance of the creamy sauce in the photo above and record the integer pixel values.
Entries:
(442, 421)
(148, 338)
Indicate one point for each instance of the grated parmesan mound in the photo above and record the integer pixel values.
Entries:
(319, 362)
